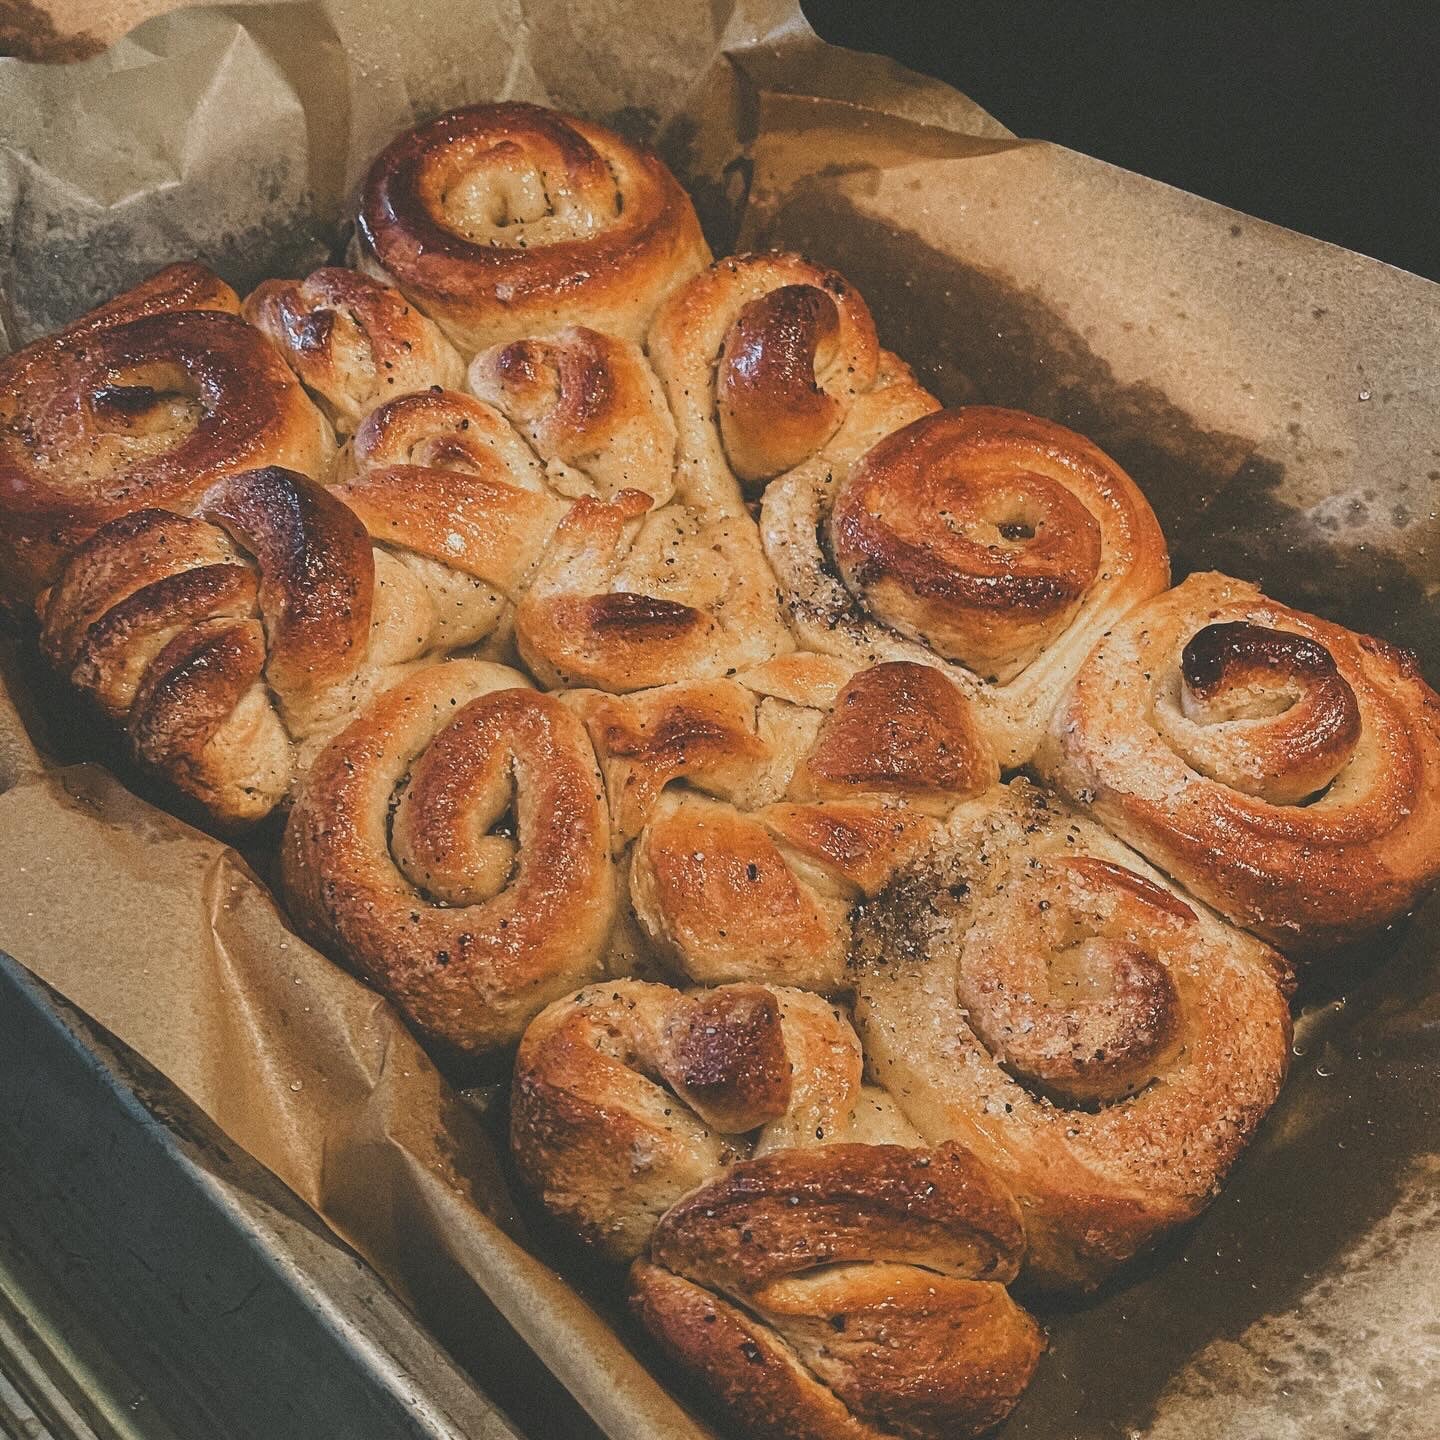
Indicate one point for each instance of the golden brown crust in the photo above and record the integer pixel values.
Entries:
(705, 730)
(353, 342)
(628, 1095)
(1204, 725)
(773, 412)
(858, 843)
(789, 1211)
(443, 476)
(211, 637)
(145, 402)
(1036, 993)
(1238, 671)
(871, 1280)
(316, 573)
(762, 357)
(185, 285)
(730, 1130)
(829, 785)
(902, 729)
(627, 599)
(508, 220)
(946, 532)
(590, 406)
(469, 957)
(741, 1363)
(720, 902)
(995, 544)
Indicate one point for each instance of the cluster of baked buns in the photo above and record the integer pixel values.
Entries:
(877, 864)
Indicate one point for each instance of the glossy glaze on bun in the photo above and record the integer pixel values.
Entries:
(994, 543)
(1282, 768)
(146, 401)
(507, 221)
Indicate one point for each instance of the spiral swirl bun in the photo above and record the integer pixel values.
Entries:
(1238, 672)
(354, 343)
(219, 640)
(232, 644)
(145, 402)
(507, 221)
(995, 542)
(1282, 768)
(490, 892)
(813, 788)
(784, 1203)
(761, 357)
(937, 538)
(590, 406)
(1034, 991)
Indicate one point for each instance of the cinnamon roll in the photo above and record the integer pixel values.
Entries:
(146, 401)
(784, 1203)
(506, 221)
(452, 844)
(804, 791)
(1036, 992)
(1282, 768)
(994, 543)
(763, 357)
(354, 343)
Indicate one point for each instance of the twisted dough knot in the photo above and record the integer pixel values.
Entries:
(762, 357)
(354, 343)
(1284, 769)
(628, 598)
(1263, 711)
(144, 402)
(590, 406)
(991, 541)
(502, 221)
(1036, 993)
(218, 639)
(733, 1127)
(823, 786)
(458, 500)
(845, 1292)
(629, 1095)
(491, 891)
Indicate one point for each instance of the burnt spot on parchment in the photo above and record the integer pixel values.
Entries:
(28, 31)
(1250, 531)
(973, 336)
(636, 123)
(719, 200)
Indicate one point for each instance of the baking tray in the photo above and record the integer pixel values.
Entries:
(156, 1283)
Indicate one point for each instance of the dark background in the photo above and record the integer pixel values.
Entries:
(1313, 114)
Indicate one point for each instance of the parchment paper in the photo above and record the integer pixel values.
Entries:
(1277, 399)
